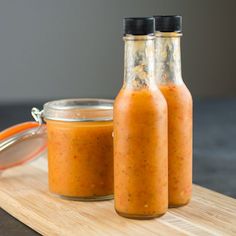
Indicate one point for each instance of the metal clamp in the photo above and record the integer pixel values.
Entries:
(37, 115)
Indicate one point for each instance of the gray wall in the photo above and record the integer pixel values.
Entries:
(73, 48)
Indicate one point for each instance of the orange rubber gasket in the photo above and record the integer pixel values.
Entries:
(15, 129)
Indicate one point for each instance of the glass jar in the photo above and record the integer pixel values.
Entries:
(80, 148)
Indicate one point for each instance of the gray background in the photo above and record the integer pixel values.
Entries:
(73, 48)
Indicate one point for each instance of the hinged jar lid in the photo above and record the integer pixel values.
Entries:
(22, 143)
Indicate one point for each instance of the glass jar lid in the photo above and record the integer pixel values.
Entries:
(79, 110)
(21, 143)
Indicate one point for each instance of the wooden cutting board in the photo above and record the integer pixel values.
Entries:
(24, 194)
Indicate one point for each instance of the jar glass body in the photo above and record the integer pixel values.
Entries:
(80, 148)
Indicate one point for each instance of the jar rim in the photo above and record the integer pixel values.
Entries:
(79, 110)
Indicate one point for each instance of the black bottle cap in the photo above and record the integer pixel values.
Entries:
(168, 23)
(138, 25)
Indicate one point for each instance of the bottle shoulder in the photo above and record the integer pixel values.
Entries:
(144, 98)
(175, 89)
(177, 95)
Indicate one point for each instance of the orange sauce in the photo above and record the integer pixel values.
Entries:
(179, 103)
(140, 153)
(80, 158)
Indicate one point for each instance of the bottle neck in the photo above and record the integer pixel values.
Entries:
(168, 58)
(139, 62)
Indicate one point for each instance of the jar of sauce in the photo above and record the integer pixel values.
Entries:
(80, 148)
(140, 129)
(179, 102)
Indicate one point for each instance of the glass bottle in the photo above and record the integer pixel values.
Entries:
(179, 102)
(140, 129)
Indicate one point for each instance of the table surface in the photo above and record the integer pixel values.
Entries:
(24, 194)
(214, 150)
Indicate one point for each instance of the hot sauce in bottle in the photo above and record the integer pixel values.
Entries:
(179, 102)
(140, 129)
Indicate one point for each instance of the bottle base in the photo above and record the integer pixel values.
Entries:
(86, 199)
(178, 205)
(139, 217)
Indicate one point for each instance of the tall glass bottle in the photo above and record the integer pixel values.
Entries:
(140, 129)
(179, 102)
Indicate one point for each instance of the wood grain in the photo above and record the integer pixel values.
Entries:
(24, 194)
